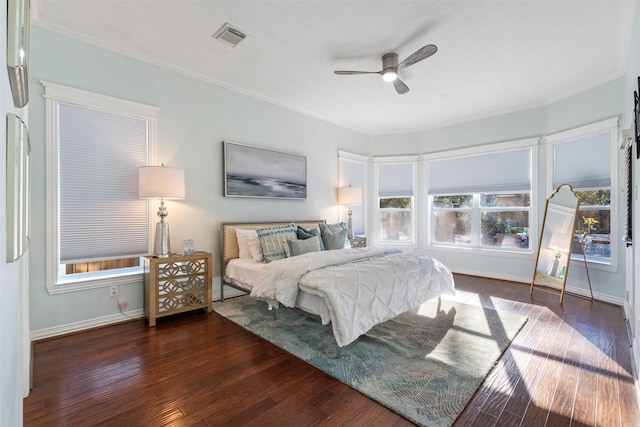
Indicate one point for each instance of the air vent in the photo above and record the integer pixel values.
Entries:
(229, 35)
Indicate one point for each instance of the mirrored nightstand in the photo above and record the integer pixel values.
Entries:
(358, 242)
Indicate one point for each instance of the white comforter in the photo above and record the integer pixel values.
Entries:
(362, 287)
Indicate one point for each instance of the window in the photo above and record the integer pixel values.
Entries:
(97, 226)
(396, 211)
(583, 158)
(481, 199)
(352, 172)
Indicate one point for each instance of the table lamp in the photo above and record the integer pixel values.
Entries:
(557, 243)
(350, 196)
(161, 182)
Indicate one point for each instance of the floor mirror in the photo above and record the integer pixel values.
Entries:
(556, 243)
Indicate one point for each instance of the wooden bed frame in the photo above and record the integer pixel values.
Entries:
(230, 243)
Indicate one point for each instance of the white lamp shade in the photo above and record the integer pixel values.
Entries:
(559, 242)
(160, 181)
(350, 196)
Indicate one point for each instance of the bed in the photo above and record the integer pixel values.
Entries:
(351, 289)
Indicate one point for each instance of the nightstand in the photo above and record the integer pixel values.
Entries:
(358, 242)
(176, 284)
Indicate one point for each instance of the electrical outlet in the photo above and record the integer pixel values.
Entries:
(114, 291)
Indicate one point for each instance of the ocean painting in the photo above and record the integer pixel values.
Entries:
(259, 172)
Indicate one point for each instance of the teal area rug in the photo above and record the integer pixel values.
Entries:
(424, 364)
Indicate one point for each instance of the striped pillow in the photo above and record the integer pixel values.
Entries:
(273, 240)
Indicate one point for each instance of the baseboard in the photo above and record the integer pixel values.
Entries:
(527, 280)
(635, 362)
(506, 277)
(85, 324)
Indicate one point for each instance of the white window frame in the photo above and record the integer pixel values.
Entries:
(611, 126)
(533, 144)
(349, 164)
(414, 160)
(54, 94)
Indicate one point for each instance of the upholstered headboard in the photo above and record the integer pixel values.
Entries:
(230, 242)
(230, 248)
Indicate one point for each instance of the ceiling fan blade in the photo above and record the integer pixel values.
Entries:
(423, 53)
(347, 73)
(401, 88)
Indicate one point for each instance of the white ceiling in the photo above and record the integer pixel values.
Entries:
(493, 57)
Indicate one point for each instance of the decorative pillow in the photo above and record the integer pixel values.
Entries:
(299, 247)
(305, 234)
(244, 237)
(273, 240)
(334, 236)
(255, 248)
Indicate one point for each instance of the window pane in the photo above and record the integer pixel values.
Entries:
(395, 202)
(452, 227)
(505, 200)
(458, 201)
(593, 230)
(395, 225)
(594, 198)
(113, 264)
(505, 229)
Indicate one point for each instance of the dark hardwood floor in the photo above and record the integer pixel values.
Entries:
(570, 365)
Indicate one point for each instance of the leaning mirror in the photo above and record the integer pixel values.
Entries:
(18, 187)
(556, 241)
(18, 50)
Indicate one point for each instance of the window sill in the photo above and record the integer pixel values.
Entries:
(61, 287)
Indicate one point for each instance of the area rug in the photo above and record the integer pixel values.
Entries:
(425, 364)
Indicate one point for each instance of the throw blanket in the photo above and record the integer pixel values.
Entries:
(362, 287)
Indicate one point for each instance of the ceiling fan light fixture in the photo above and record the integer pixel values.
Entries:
(389, 76)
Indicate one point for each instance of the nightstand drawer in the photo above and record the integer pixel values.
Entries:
(176, 284)
(358, 242)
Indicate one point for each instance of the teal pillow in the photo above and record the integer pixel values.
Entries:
(334, 236)
(273, 240)
(304, 234)
(299, 247)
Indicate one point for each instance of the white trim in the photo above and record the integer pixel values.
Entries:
(482, 149)
(86, 324)
(345, 155)
(55, 93)
(601, 126)
(95, 100)
(396, 159)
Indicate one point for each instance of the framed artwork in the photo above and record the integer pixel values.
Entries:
(18, 187)
(259, 172)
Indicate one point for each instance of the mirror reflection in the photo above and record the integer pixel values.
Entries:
(556, 240)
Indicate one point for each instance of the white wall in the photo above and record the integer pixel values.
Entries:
(13, 329)
(602, 102)
(194, 118)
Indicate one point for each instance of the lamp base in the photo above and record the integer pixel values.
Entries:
(162, 244)
(349, 224)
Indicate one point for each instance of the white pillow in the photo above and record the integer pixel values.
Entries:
(243, 237)
(255, 247)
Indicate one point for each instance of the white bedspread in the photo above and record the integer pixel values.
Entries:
(362, 287)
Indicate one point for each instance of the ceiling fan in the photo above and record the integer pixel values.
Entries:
(390, 66)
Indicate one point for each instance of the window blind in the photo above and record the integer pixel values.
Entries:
(584, 162)
(395, 180)
(481, 173)
(101, 215)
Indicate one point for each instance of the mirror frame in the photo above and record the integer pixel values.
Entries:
(18, 187)
(18, 50)
(556, 241)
